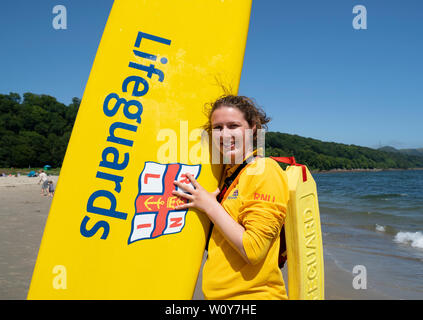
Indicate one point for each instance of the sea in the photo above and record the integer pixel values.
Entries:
(372, 227)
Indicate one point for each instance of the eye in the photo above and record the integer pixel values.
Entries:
(217, 127)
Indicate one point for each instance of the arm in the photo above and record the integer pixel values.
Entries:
(231, 229)
(264, 196)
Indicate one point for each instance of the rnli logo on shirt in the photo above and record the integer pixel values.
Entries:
(155, 204)
(264, 197)
(234, 195)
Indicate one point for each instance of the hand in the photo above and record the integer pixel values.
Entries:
(206, 202)
(198, 198)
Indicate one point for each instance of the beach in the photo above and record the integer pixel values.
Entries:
(23, 214)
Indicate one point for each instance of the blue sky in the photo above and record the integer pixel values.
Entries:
(305, 64)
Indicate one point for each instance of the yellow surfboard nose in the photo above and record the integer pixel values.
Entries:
(155, 68)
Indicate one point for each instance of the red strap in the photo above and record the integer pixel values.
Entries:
(222, 194)
(291, 161)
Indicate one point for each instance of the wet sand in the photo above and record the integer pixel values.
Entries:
(23, 214)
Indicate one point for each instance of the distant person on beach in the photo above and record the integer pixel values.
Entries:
(51, 188)
(249, 212)
(44, 183)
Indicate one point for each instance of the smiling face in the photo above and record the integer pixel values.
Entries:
(231, 134)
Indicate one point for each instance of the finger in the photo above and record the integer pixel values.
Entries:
(183, 186)
(184, 206)
(193, 181)
(183, 195)
(216, 192)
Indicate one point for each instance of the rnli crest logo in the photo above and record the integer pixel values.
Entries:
(234, 195)
(155, 204)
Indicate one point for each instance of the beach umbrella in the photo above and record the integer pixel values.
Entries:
(47, 167)
(31, 174)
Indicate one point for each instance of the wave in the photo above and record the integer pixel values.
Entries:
(409, 208)
(383, 196)
(414, 239)
(368, 216)
(386, 229)
(380, 228)
(371, 215)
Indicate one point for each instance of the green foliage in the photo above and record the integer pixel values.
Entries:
(319, 155)
(35, 130)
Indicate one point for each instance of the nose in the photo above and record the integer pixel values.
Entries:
(226, 133)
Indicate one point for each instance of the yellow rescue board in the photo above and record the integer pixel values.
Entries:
(111, 232)
(303, 237)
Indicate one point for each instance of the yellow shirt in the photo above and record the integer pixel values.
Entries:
(258, 202)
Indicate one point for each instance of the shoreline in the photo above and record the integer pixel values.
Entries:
(14, 181)
(363, 170)
(11, 173)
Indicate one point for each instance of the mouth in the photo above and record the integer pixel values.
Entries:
(228, 146)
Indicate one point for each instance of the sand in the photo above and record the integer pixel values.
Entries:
(23, 214)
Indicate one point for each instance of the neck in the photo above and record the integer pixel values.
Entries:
(248, 152)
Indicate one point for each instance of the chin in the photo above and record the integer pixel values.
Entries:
(235, 156)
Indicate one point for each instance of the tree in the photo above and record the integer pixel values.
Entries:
(35, 131)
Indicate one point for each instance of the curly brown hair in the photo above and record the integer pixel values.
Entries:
(253, 114)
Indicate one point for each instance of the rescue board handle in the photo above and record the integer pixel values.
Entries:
(291, 161)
